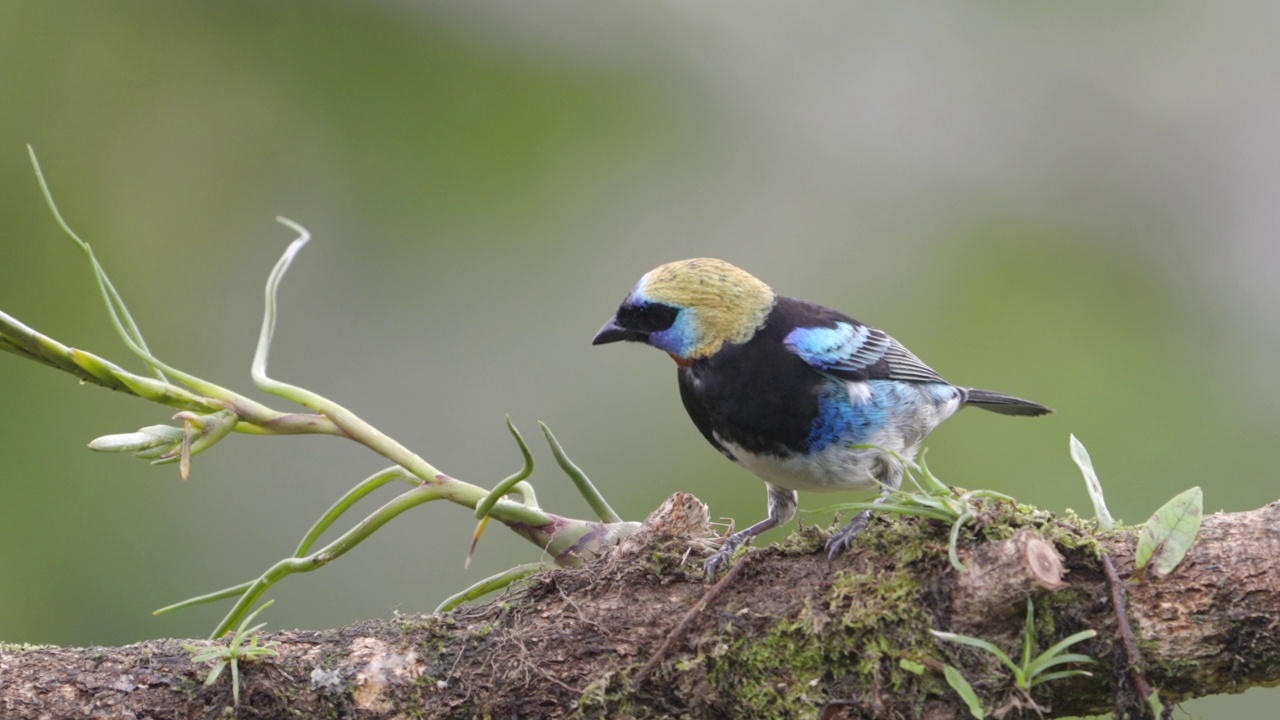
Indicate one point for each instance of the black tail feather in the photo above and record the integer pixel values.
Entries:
(1004, 404)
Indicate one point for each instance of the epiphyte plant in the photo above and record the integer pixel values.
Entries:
(235, 652)
(932, 499)
(210, 412)
(1027, 674)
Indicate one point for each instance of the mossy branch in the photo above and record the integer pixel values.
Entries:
(795, 635)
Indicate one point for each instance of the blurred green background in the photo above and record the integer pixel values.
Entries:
(1073, 203)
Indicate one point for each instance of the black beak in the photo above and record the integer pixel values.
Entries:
(612, 332)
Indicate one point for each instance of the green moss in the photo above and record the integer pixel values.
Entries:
(419, 623)
(1000, 520)
(805, 540)
(606, 697)
(773, 659)
(24, 647)
(670, 566)
(1156, 670)
(1046, 624)
(850, 647)
(908, 539)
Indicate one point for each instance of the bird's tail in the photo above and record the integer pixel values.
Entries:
(1004, 404)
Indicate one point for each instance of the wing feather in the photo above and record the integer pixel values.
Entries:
(849, 350)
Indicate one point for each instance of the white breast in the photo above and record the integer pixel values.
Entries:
(836, 468)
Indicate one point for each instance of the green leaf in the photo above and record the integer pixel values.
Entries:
(933, 485)
(1041, 664)
(1050, 677)
(580, 479)
(1029, 636)
(961, 685)
(953, 553)
(1170, 533)
(978, 643)
(911, 666)
(120, 317)
(215, 673)
(1153, 702)
(1065, 643)
(1091, 481)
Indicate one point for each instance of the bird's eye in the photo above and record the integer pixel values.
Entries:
(647, 317)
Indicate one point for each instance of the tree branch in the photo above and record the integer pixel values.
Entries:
(793, 634)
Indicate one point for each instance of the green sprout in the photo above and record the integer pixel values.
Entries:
(1082, 460)
(234, 653)
(932, 499)
(1031, 671)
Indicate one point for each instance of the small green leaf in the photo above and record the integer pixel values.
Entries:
(215, 673)
(933, 485)
(977, 643)
(152, 436)
(1029, 636)
(1170, 533)
(580, 479)
(911, 666)
(1037, 671)
(1050, 677)
(1091, 481)
(953, 553)
(1053, 655)
(1153, 702)
(961, 685)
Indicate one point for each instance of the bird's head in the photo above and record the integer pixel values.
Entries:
(690, 309)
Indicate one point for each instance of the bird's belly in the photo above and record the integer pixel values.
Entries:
(852, 425)
(832, 469)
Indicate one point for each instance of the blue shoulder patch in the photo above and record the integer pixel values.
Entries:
(847, 350)
(844, 347)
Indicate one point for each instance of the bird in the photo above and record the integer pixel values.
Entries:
(803, 397)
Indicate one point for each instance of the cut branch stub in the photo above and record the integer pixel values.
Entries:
(1000, 575)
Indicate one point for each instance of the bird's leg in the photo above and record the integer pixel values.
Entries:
(782, 507)
(892, 473)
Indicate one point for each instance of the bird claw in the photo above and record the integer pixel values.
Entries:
(838, 543)
(722, 556)
(842, 540)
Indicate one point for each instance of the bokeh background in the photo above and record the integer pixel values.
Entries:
(1074, 202)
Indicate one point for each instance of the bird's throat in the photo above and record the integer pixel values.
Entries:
(681, 361)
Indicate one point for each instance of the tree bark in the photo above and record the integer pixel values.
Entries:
(788, 634)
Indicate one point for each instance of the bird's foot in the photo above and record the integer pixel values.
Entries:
(841, 541)
(726, 551)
